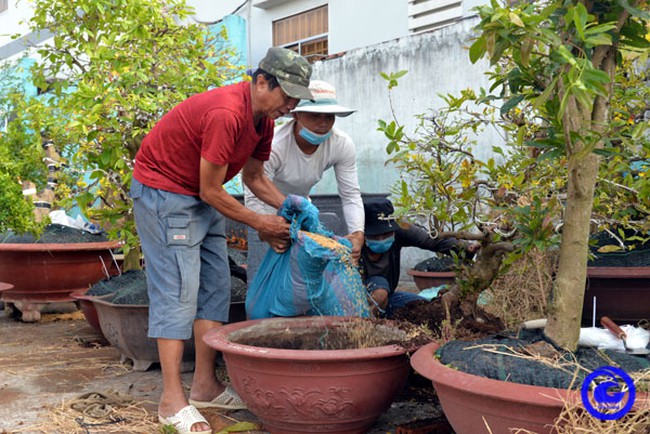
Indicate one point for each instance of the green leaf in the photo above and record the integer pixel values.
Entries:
(564, 52)
(636, 42)
(477, 50)
(516, 19)
(526, 48)
(544, 96)
(580, 19)
(602, 39)
(521, 131)
(239, 427)
(639, 130)
(600, 28)
(511, 103)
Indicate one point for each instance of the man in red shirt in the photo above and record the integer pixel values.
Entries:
(180, 208)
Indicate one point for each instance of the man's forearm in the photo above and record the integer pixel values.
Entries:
(265, 190)
(230, 207)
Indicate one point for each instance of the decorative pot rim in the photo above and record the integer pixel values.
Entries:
(417, 273)
(80, 294)
(99, 300)
(217, 338)
(619, 272)
(40, 247)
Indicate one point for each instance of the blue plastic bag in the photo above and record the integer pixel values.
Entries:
(315, 276)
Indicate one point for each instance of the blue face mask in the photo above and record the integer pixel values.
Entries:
(312, 137)
(380, 246)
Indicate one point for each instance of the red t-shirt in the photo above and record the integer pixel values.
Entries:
(216, 125)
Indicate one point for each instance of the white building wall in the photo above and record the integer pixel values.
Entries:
(359, 23)
(12, 21)
(437, 63)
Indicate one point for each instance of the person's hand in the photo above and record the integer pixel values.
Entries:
(357, 239)
(470, 249)
(473, 248)
(274, 230)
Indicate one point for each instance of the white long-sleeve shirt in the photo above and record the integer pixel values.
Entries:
(295, 172)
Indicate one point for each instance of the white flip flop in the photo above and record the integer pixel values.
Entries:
(184, 420)
(228, 400)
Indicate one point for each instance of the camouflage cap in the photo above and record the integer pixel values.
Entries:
(291, 69)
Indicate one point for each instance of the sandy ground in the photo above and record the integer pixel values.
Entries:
(45, 366)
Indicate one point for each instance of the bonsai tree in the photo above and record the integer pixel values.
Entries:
(111, 71)
(560, 97)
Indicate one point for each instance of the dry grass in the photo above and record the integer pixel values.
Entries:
(532, 276)
(574, 419)
(522, 292)
(132, 418)
(51, 317)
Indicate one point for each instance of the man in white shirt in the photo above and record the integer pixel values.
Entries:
(302, 150)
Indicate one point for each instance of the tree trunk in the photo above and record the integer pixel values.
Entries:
(568, 291)
(565, 314)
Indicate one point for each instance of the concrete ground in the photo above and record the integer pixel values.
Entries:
(45, 366)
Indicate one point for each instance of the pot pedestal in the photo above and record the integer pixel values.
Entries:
(48, 273)
(295, 391)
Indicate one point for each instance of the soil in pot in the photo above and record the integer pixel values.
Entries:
(431, 314)
(353, 335)
(54, 234)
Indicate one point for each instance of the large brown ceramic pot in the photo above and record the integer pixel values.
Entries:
(622, 293)
(478, 405)
(125, 327)
(49, 273)
(472, 403)
(430, 279)
(309, 391)
(88, 309)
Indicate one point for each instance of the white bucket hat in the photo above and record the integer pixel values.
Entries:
(324, 101)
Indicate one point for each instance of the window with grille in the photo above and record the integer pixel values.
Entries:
(4, 5)
(425, 15)
(305, 33)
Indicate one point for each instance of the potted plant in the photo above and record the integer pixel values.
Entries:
(312, 374)
(564, 108)
(109, 74)
(66, 260)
